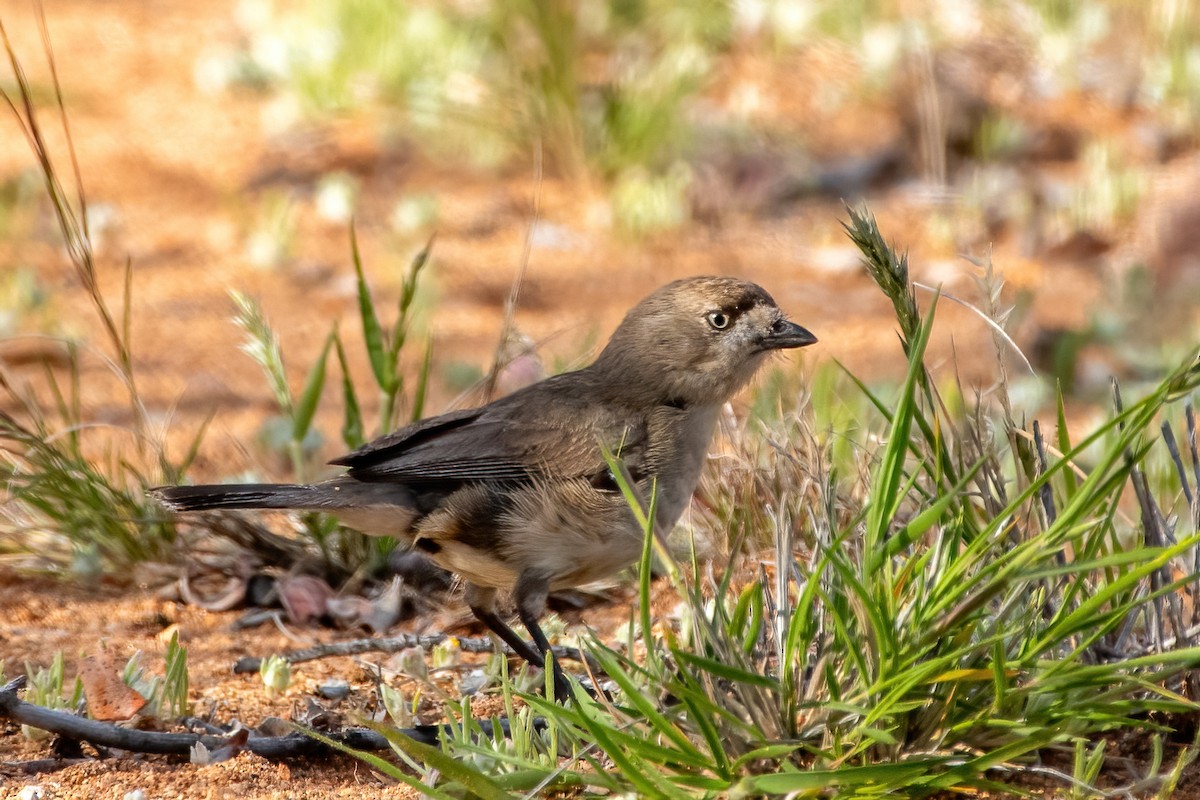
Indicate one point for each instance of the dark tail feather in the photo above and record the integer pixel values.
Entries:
(238, 495)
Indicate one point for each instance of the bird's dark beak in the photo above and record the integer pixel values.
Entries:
(785, 335)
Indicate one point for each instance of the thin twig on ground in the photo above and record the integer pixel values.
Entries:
(395, 644)
(38, 766)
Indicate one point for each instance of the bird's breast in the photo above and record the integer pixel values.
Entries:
(679, 445)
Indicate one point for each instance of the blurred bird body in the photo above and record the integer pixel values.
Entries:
(517, 495)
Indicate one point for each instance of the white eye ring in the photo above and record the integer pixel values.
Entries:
(718, 319)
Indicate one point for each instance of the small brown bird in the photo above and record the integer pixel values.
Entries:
(517, 495)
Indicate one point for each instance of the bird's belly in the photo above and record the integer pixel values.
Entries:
(567, 533)
(572, 558)
(597, 560)
(476, 566)
(571, 533)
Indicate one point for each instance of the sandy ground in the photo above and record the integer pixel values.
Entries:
(43, 616)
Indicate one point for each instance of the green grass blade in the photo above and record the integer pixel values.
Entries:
(353, 432)
(373, 336)
(889, 477)
(727, 671)
(451, 768)
(408, 294)
(643, 777)
(879, 776)
(382, 765)
(306, 407)
(927, 518)
(688, 752)
(1064, 442)
(421, 391)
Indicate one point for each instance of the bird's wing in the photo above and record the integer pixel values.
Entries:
(409, 436)
(502, 442)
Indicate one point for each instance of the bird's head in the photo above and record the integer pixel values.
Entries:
(697, 341)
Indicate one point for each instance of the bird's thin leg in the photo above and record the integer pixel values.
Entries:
(507, 635)
(481, 601)
(535, 631)
(562, 687)
(531, 590)
(527, 651)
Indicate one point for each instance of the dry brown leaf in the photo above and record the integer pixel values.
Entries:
(108, 697)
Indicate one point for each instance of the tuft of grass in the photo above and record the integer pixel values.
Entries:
(344, 552)
(385, 346)
(173, 702)
(167, 694)
(45, 688)
(59, 504)
(98, 518)
(65, 509)
(262, 345)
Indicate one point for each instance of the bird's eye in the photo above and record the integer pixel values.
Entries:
(718, 319)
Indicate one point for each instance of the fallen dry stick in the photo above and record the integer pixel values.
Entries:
(105, 734)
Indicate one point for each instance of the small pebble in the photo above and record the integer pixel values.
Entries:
(474, 681)
(336, 689)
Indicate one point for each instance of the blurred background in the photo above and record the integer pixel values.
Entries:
(604, 148)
